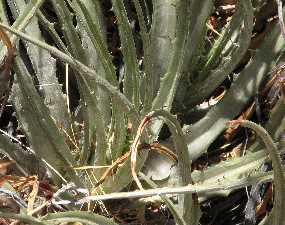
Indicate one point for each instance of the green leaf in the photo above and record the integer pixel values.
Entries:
(78, 216)
(131, 74)
(34, 117)
(200, 135)
(44, 66)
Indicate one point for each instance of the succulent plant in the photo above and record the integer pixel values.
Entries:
(79, 109)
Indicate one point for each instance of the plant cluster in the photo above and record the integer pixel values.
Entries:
(94, 84)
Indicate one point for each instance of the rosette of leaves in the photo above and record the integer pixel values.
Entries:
(180, 70)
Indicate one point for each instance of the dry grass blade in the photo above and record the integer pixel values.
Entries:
(134, 149)
(18, 182)
(276, 73)
(32, 196)
(246, 114)
(164, 150)
(112, 168)
(4, 164)
(6, 40)
(154, 146)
